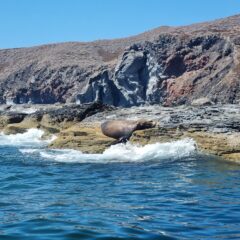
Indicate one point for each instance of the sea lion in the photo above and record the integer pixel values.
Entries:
(122, 130)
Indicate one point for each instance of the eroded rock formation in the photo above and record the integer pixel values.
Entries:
(168, 66)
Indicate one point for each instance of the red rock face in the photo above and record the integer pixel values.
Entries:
(169, 66)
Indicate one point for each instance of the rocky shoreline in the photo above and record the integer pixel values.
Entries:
(214, 128)
(185, 78)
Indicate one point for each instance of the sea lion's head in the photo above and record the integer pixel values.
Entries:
(145, 124)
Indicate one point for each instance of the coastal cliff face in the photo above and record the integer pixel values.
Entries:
(168, 66)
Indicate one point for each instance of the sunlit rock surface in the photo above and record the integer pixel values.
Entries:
(168, 65)
(214, 128)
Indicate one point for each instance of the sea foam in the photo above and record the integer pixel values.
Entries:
(31, 142)
(125, 153)
(31, 137)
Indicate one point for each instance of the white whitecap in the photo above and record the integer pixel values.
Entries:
(125, 153)
(31, 137)
(31, 142)
(29, 150)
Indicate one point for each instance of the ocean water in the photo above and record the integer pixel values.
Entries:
(160, 191)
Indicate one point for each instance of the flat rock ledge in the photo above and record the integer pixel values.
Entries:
(215, 128)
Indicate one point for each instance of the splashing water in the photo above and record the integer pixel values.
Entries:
(31, 137)
(117, 153)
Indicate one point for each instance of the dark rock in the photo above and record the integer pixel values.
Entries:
(75, 112)
(70, 113)
(11, 117)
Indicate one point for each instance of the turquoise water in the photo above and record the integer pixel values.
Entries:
(67, 195)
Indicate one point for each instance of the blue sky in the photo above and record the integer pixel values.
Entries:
(33, 22)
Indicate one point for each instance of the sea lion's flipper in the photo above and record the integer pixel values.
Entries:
(121, 140)
(124, 139)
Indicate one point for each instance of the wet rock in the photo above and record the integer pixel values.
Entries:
(10, 118)
(83, 137)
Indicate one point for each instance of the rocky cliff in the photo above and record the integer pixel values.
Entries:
(168, 66)
(215, 129)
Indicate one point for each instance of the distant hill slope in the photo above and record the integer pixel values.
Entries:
(167, 65)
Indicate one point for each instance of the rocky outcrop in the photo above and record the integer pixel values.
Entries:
(215, 128)
(175, 70)
(11, 117)
(168, 66)
(85, 137)
(51, 119)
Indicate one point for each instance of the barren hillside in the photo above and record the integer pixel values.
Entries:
(167, 65)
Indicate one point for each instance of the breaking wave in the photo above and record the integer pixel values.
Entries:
(123, 153)
(31, 143)
(31, 137)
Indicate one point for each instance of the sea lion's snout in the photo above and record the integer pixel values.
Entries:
(152, 124)
(156, 124)
(143, 124)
